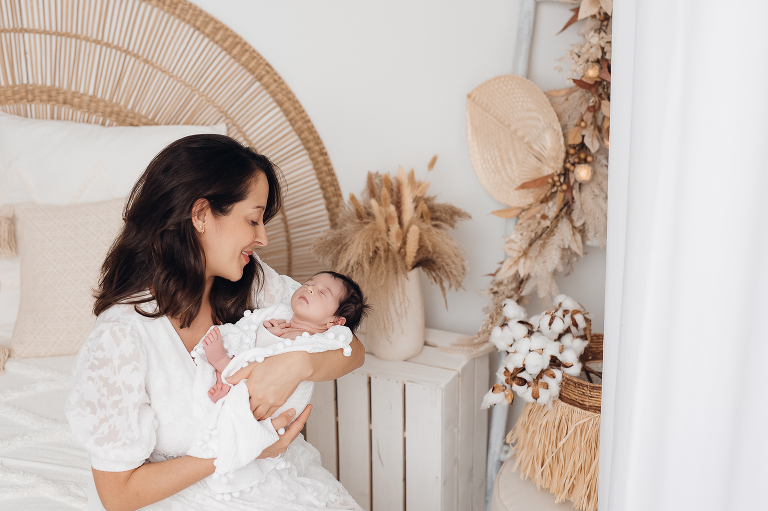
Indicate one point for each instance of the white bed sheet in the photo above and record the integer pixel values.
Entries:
(42, 467)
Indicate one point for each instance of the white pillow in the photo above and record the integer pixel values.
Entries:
(63, 162)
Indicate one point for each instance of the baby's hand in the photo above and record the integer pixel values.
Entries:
(277, 327)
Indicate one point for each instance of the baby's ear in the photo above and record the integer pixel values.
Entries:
(337, 321)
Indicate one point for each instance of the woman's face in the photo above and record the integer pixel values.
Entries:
(228, 241)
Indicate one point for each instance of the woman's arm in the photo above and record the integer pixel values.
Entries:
(330, 365)
(271, 382)
(153, 482)
(149, 483)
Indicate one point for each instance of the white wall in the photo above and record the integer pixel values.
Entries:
(385, 84)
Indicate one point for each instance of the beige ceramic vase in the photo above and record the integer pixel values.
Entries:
(405, 337)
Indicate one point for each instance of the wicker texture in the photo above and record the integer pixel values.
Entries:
(583, 394)
(148, 62)
(514, 137)
(558, 447)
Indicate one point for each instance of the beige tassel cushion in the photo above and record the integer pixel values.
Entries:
(61, 250)
(65, 163)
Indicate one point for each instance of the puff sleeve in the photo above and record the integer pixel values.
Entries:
(108, 407)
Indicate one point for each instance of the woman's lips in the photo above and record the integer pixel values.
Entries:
(247, 255)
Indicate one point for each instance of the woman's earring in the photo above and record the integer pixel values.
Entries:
(202, 229)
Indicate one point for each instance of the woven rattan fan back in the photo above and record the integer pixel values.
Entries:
(149, 62)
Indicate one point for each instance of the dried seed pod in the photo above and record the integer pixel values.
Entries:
(520, 381)
(543, 385)
(506, 373)
(510, 396)
(535, 392)
(359, 211)
(550, 373)
(498, 387)
(566, 364)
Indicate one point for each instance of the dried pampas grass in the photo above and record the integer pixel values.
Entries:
(393, 228)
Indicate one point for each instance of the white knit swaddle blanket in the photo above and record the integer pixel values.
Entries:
(227, 429)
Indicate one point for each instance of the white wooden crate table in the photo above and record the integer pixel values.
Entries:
(407, 436)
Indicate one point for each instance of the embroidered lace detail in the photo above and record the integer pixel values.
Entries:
(108, 406)
(132, 400)
(276, 289)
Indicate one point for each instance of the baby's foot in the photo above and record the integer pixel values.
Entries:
(218, 391)
(214, 349)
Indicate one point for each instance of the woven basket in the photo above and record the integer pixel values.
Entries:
(583, 394)
(558, 448)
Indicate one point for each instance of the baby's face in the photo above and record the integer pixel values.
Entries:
(318, 299)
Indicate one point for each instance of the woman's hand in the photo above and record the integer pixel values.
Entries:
(281, 421)
(272, 381)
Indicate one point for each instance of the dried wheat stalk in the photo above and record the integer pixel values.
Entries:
(394, 228)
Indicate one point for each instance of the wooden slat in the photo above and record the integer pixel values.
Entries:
(321, 425)
(354, 434)
(450, 445)
(425, 374)
(480, 435)
(466, 424)
(387, 444)
(423, 430)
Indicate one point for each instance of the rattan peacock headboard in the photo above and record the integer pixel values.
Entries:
(149, 62)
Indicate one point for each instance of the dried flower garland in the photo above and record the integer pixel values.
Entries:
(550, 233)
(394, 228)
(538, 351)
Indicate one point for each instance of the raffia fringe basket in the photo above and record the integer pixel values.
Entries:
(558, 448)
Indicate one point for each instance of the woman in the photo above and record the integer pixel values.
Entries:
(183, 262)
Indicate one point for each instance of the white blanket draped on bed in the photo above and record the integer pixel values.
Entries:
(42, 467)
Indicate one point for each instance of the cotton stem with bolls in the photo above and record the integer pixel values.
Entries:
(539, 350)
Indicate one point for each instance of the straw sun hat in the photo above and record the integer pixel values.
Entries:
(514, 137)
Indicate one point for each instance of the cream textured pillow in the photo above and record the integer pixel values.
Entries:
(61, 250)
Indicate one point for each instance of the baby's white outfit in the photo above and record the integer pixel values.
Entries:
(227, 430)
(133, 400)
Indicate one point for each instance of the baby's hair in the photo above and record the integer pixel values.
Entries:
(352, 306)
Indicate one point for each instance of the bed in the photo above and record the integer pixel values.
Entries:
(123, 63)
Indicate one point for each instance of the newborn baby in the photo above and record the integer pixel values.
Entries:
(324, 312)
(325, 300)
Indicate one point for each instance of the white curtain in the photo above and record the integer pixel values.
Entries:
(685, 403)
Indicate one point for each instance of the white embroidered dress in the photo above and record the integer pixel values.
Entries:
(132, 402)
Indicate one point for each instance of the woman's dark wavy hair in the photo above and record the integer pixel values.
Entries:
(158, 248)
